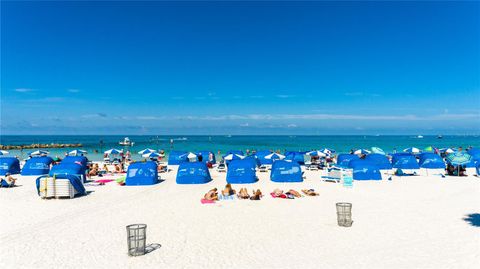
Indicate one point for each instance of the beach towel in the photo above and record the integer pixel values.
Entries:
(103, 180)
(283, 196)
(205, 201)
(226, 197)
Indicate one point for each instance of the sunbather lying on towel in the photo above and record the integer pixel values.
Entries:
(228, 190)
(243, 193)
(211, 195)
(277, 193)
(310, 192)
(8, 181)
(257, 195)
(294, 193)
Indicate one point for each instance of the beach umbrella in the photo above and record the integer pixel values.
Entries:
(316, 153)
(191, 155)
(429, 149)
(38, 152)
(361, 151)
(459, 158)
(327, 151)
(230, 157)
(3, 152)
(151, 155)
(146, 151)
(378, 150)
(448, 150)
(77, 152)
(412, 150)
(113, 151)
(275, 156)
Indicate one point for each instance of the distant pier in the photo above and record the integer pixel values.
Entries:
(40, 146)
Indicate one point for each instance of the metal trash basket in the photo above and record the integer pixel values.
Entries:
(344, 214)
(136, 239)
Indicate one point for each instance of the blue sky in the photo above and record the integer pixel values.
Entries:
(240, 68)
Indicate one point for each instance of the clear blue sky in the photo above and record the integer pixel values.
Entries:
(240, 68)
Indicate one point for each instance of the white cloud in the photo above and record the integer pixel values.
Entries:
(24, 90)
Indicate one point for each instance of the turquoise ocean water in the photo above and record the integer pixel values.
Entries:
(223, 143)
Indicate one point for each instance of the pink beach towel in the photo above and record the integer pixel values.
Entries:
(205, 201)
(283, 196)
(103, 180)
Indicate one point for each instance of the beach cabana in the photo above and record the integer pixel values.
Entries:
(142, 173)
(37, 166)
(206, 155)
(475, 153)
(241, 171)
(431, 161)
(177, 157)
(380, 160)
(286, 171)
(67, 168)
(81, 160)
(261, 157)
(238, 152)
(365, 170)
(344, 159)
(193, 173)
(9, 165)
(407, 163)
(297, 156)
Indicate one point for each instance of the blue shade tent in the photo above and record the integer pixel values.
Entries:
(297, 156)
(261, 157)
(474, 152)
(380, 160)
(82, 160)
(241, 171)
(398, 155)
(238, 152)
(205, 155)
(67, 168)
(142, 173)
(9, 165)
(37, 166)
(478, 169)
(344, 159)
(177, 157)
(286, 171)
(193, 173)
(431, 161)
(366, 171)
(404, 161)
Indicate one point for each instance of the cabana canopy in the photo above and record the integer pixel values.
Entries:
(193, 173)
(286, 171)
(177, 157)
(366, 171)
(344, 159)
(142, 173)
(404, 161)
(380, 160)
(297, 156)
(9, 165)
(81, 160)
(241, 171)
(37, 166)
(67, 168)
(238, 152)
(431, 161)
(261, 157)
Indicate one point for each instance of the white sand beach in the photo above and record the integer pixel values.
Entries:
(409, 222)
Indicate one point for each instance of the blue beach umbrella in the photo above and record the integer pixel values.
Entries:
(151, 155)
(378, 150)
(328, 151)
(459, 158)
(3, 152)
(77, 152)
(412, 150)
(316, 153)
(361, 151)
(38, 152)
(447, 150)
(275, 156)
(113, 151)
(146, 151)
(230, 157)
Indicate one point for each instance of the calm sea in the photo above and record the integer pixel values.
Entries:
(223, 143)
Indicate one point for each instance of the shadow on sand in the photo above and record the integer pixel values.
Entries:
(473, 219)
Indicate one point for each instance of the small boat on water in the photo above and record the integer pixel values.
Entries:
(419, 136)
(126, 142)
(439, 137)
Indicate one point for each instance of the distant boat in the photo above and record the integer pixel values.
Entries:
(419, 136)
(228, 136)
(439, 137)
(126, 142)
(181, 139)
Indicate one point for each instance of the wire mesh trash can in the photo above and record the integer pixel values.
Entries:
(344, 214)
(136, 239)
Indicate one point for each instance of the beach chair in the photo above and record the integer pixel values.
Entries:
(222, 167)
(334, 174)
(263, 168)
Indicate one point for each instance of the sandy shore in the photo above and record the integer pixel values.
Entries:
(414, 222)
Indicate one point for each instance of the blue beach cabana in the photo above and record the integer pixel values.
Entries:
(261, 157)
(142, 173)
(366, 171)
(344, 159)
(9, 165)
(37, 166)
(405, 161)
(177, 157)
(297, 156)
(82, 160)
(67, 168)
(286, 171)
(193, 173)
(431, 161)
(238, 152)
(241, 171)
(380, 160)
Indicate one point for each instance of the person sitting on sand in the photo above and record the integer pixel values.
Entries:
(243, 193)
(257, 195)
(93, 172)
(9, 181)
(310, 192)
(211, 195)
(118, 169)
(228, 190)
(105, 168)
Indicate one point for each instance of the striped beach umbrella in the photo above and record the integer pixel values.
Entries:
(77, 152)
(151, 155)
(378, 150)
(412, 150)
(3, 152)
(230, 157)
(275, 156)
(316, 153)
(361, 151)
(113, 151)
(146, 151)
(459, 158)
(429, 149)
(38, 153)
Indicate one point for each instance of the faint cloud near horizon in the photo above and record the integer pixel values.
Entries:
(22, 90)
